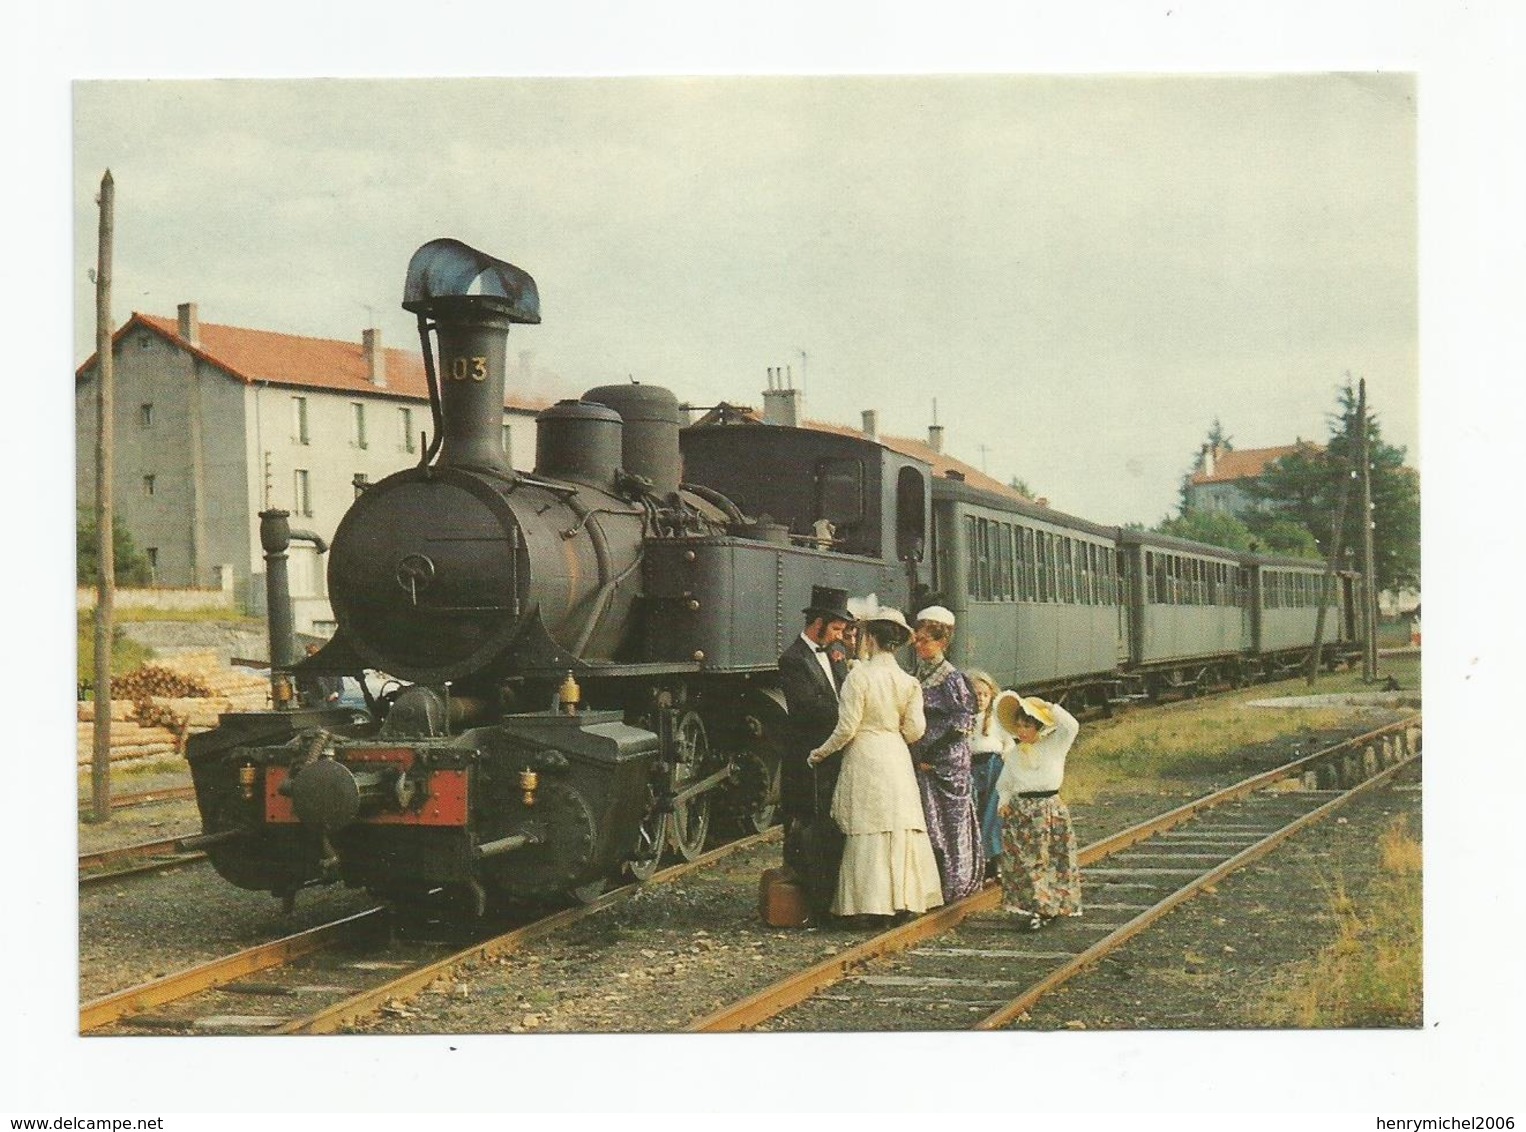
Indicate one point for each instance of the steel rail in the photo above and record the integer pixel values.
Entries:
(162, 864)
(1120, 935)
(193, 980)
(332, 1018)
(146, 797)
(128, 853)
(794, 989)
(218, 972)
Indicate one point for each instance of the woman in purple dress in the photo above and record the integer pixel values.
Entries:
(942, 758)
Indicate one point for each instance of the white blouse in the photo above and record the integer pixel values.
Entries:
(1039, 765)
(993, 740)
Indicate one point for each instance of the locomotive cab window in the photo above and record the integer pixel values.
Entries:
(910, 515)
(840, 492)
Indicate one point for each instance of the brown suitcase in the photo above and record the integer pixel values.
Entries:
(781, 900)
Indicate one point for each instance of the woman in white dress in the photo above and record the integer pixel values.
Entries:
(888, 864)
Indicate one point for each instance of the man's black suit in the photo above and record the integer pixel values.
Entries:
(812, 705)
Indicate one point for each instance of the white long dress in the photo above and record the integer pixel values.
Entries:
(887, 863)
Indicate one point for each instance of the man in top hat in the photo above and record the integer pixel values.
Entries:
(810, 673)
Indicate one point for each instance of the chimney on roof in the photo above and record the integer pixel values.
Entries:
(871, 424)
(376, 357)
(190, 325)
(1210, 453)
(935, 437)
(781, 401)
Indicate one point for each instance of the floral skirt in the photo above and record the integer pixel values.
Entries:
(1039, 873)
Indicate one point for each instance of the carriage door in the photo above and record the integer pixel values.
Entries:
(1247, 624)
(1123, 587)
(911, 523)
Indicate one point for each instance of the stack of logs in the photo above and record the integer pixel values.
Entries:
(156, 707)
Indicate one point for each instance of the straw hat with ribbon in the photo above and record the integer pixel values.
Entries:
(1011, 708)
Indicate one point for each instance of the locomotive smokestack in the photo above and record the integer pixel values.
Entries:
(473, 331)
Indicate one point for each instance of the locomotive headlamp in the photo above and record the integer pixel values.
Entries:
(528, 781)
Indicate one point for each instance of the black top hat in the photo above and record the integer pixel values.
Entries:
(828, 602)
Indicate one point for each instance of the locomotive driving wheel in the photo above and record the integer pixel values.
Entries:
(689, 823)
(651, 840)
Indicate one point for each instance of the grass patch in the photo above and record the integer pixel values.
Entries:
(1189, 742)
(1147, 747)
(1371, 974)
(126, 655)
(228, 617)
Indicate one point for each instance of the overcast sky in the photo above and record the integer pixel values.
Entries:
(1084, 272)
(1081, 272)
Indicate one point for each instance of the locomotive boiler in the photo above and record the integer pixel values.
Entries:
(583, 654)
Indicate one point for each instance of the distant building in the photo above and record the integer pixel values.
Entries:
(217, 423)
(1221, 481)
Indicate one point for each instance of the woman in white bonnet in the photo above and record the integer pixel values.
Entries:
(1040, 877)
(942, 757)
(887, 863)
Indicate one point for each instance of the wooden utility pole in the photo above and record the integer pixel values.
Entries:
(100, 764)
(1369, 567)
(1332, 560)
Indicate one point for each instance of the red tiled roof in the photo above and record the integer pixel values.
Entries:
(253, 356)
(941, 462)
(1248, 463)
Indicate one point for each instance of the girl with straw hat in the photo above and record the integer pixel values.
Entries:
(1040, 878)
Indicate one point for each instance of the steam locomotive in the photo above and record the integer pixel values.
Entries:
(585, 653)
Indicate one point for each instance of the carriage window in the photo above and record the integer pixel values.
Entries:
(1007, 589)
(1042, 563)
(983, 559)
(840, 491)
(972, 557)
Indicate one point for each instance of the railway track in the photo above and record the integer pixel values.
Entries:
(144, 797)
(963, 967)
(329, 979)
(327, 976)
(135, 860)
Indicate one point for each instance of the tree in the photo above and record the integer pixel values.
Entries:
(1021, 487)
(1304, 488)
(131, 567)
(1217, 440)
(1216, 528)
(1278, 535)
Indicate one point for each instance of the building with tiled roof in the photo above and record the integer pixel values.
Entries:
(214, 424)
(1220, 482)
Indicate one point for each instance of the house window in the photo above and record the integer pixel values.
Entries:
(302, 500)
(358, 412)
(405, 425)
(299, 431)
(146, 415)
(148, 485)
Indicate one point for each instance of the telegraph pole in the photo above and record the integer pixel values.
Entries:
(100, 763)
(1332, 561)
(1369, 568)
